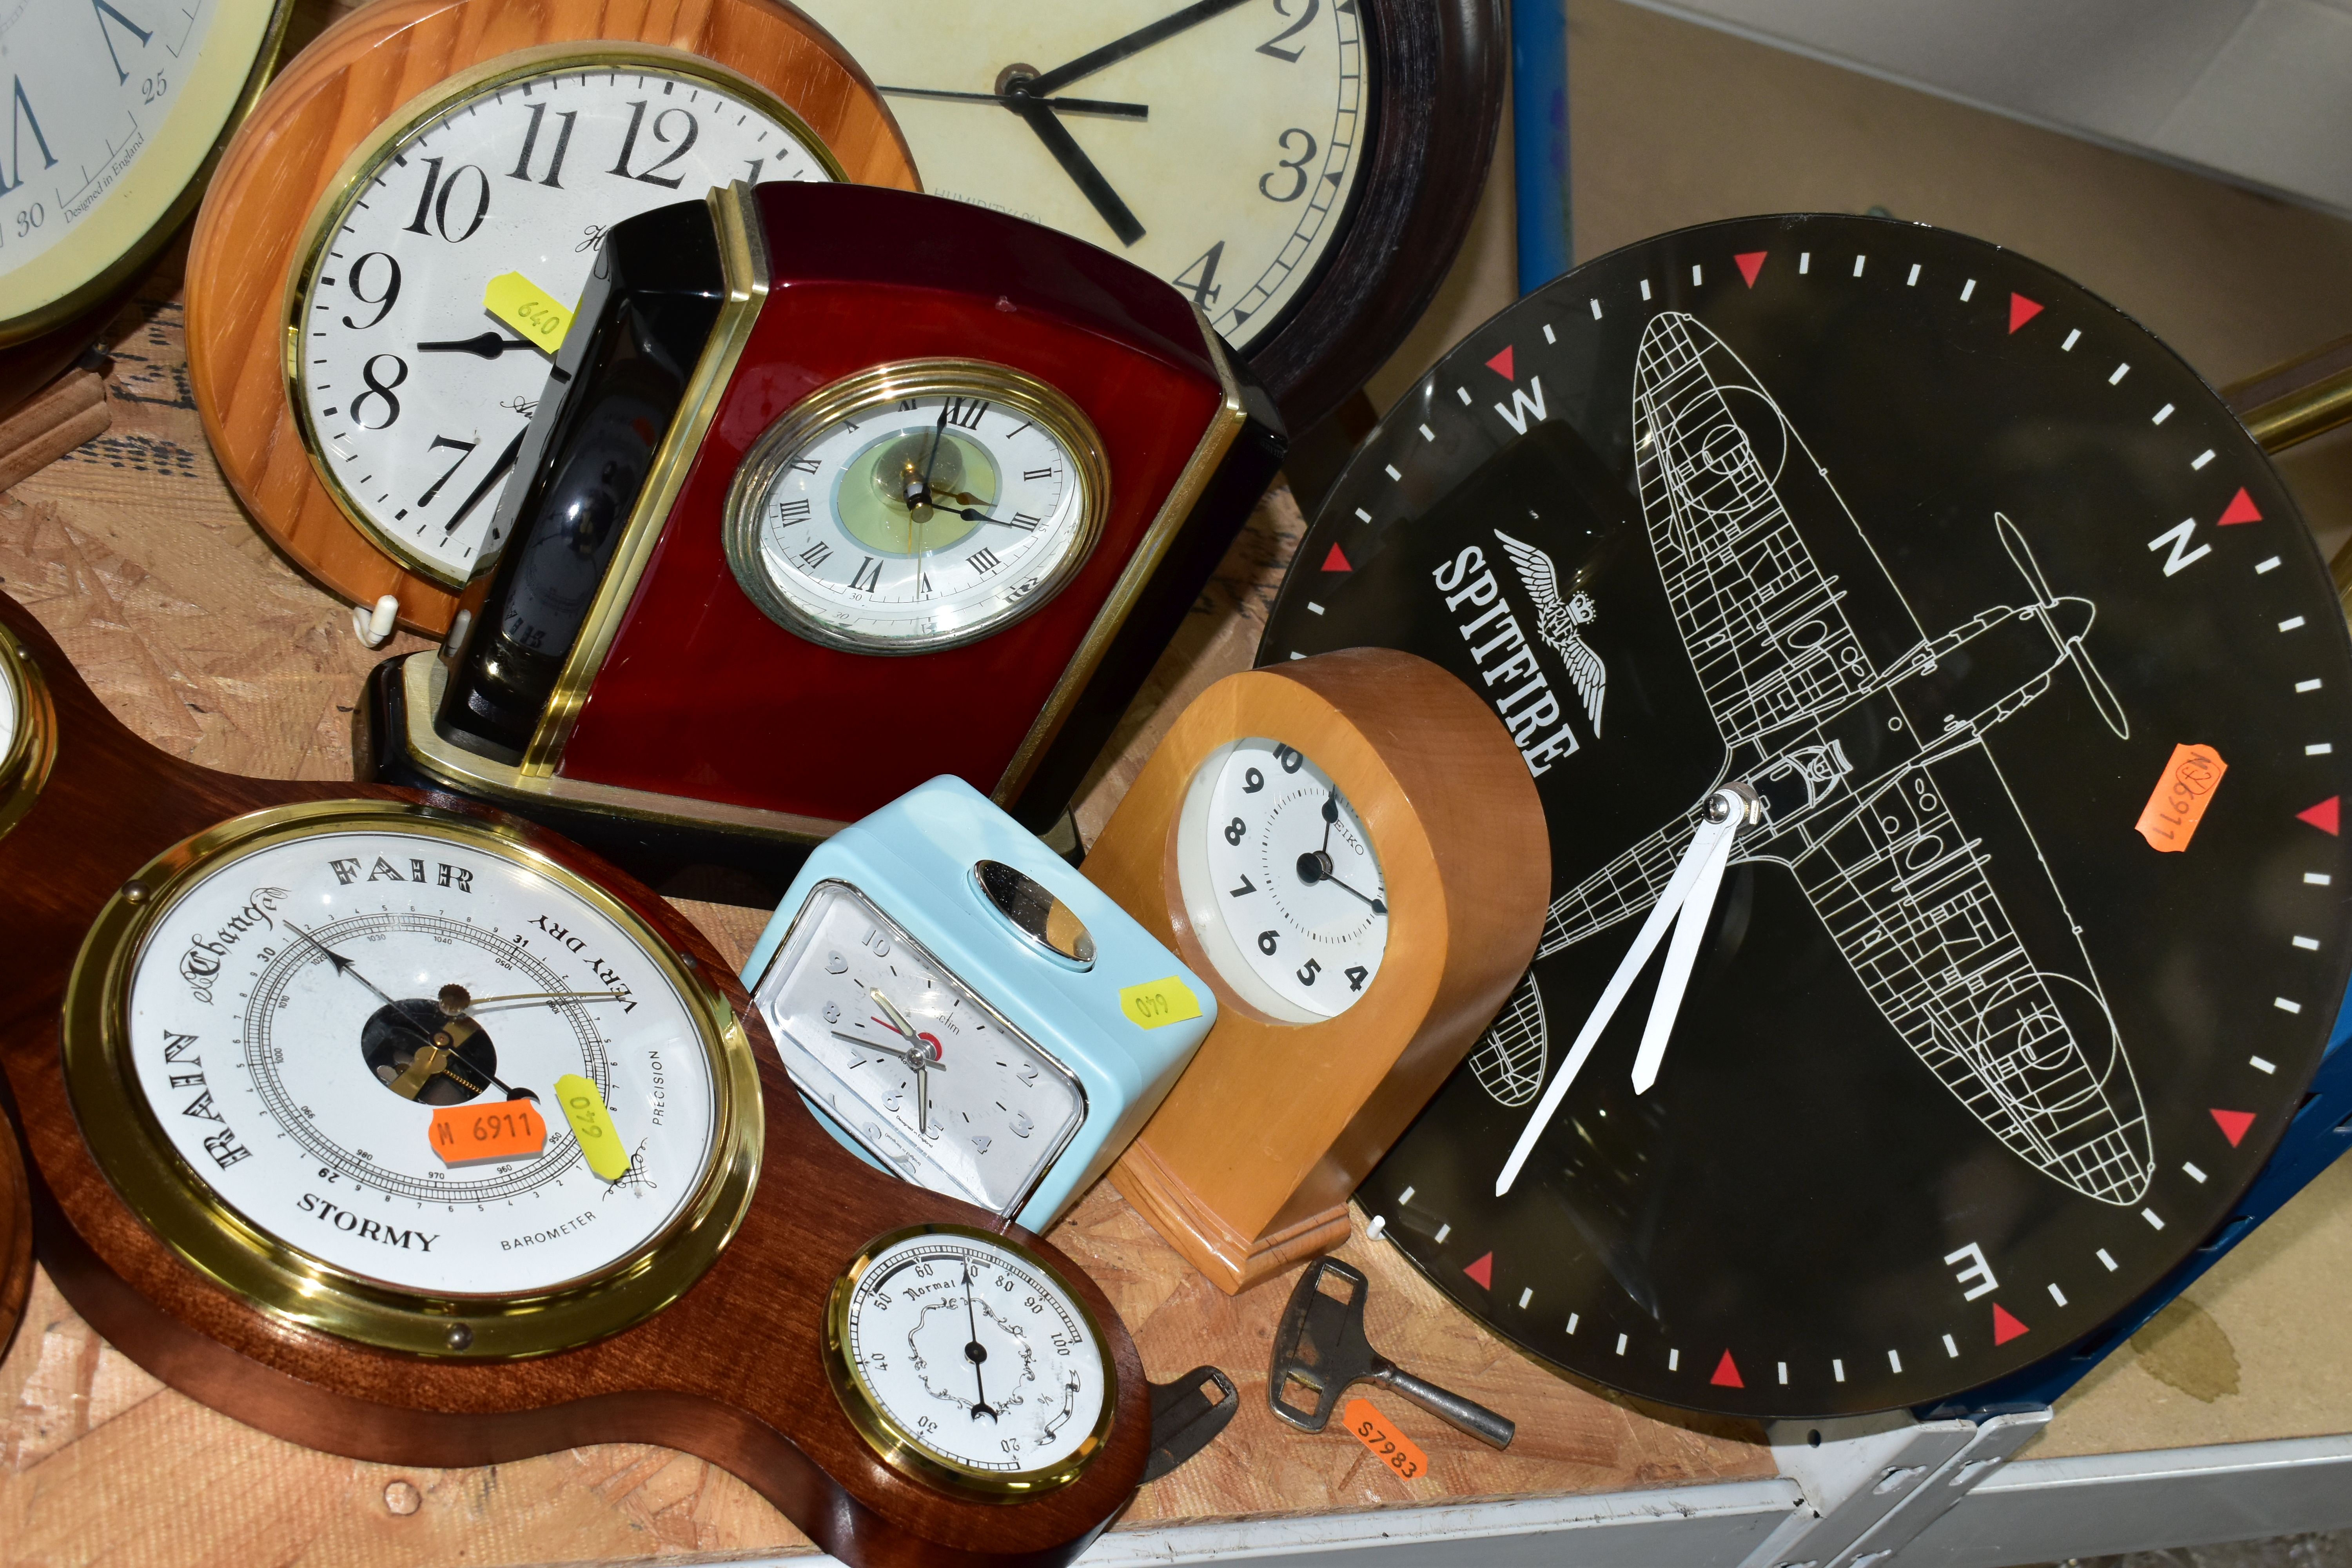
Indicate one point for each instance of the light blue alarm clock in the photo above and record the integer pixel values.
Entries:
(961, 1007)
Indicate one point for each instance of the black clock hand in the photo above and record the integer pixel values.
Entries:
(1315, 866)
(489, 482)
(1330, 820)
(433, 1042)
(1378, 907)
(973, 1350)
(1041, 119)
(1118, 48)
(1107, 108)
(969, 515)
(482, 345)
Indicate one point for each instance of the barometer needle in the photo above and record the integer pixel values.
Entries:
(450, 1060)
(973, 1350)
(456, 1001)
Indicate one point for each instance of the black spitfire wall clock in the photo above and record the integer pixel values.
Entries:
(1934, 699)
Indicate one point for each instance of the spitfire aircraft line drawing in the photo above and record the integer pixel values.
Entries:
(1840, 768)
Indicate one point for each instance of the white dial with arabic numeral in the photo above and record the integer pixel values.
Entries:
(414, 395)
(968, 1106)
(1281, 881)
(279, 1019)
(975, 1353)
(898, 512)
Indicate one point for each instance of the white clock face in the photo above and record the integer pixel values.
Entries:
(967, 1106)
(913, 522)
(975, 1351)
(1219, 154)
(1281, 881)
(414, 394)
(114, 106)
(279, 1016)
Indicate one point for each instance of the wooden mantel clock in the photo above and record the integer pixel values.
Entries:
(392, 242)
(394, 1126)
(1350, 850)
(849, 487)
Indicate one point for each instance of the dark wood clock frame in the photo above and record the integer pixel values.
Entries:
(1442, 66)
(682, 1378)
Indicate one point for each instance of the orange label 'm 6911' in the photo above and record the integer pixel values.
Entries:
(2169, 819)
(485, 1130)
(1392, 1447)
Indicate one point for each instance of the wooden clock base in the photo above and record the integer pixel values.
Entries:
(1233, 1262)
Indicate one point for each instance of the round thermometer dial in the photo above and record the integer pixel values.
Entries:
(27, 736)
(967, 1361)
(917, 507)
(400, 1051)
(116, 109)
(415, 360)
(1281, 882)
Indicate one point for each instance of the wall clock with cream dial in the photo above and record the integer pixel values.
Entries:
(117, 110)
(1346, 849)
(326, 1079)
(1303, 170)
(414, 262)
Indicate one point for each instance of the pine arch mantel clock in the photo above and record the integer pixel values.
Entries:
(1961, 705)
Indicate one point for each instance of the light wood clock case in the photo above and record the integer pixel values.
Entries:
(362, 395)
(1349, 849)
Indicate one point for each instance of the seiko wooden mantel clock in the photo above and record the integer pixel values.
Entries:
(1350, 850)
(396, 1127)
(848, 487)
(375, 278)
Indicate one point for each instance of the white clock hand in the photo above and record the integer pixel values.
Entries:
(1734, 806)
(1690, 926)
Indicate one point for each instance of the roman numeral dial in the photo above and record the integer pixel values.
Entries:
(917, 506)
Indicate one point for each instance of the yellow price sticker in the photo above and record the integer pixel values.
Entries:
(528, 308)
(592, 1125)
(1159, 1001)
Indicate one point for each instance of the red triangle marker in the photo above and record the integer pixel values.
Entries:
(2327, 817)
(1336, 561)
(2005, 1328)
(1727, 1372)
(2234, 1125)
(2242, 509)
(1483, 1271)
(1751, 262)
(1501, 365)
(2021, 310)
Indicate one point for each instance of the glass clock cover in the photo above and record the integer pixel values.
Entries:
(116, 108)
(1027, 1073)
(916, 506)
(2042, 694)
(1281, 882)
(287, 1021)
(416, 395)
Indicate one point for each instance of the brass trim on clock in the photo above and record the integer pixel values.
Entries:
(423, 679)
(34, 749)
(205, 1230)
(143, 251)
(1224, 430)
(895, 1445)
(400, 129)
(792, 430)
(743, 263)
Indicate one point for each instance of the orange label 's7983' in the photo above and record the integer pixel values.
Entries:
(1392, 1447)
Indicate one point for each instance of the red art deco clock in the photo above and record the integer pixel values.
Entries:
(850, 488)
(1940, 711)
